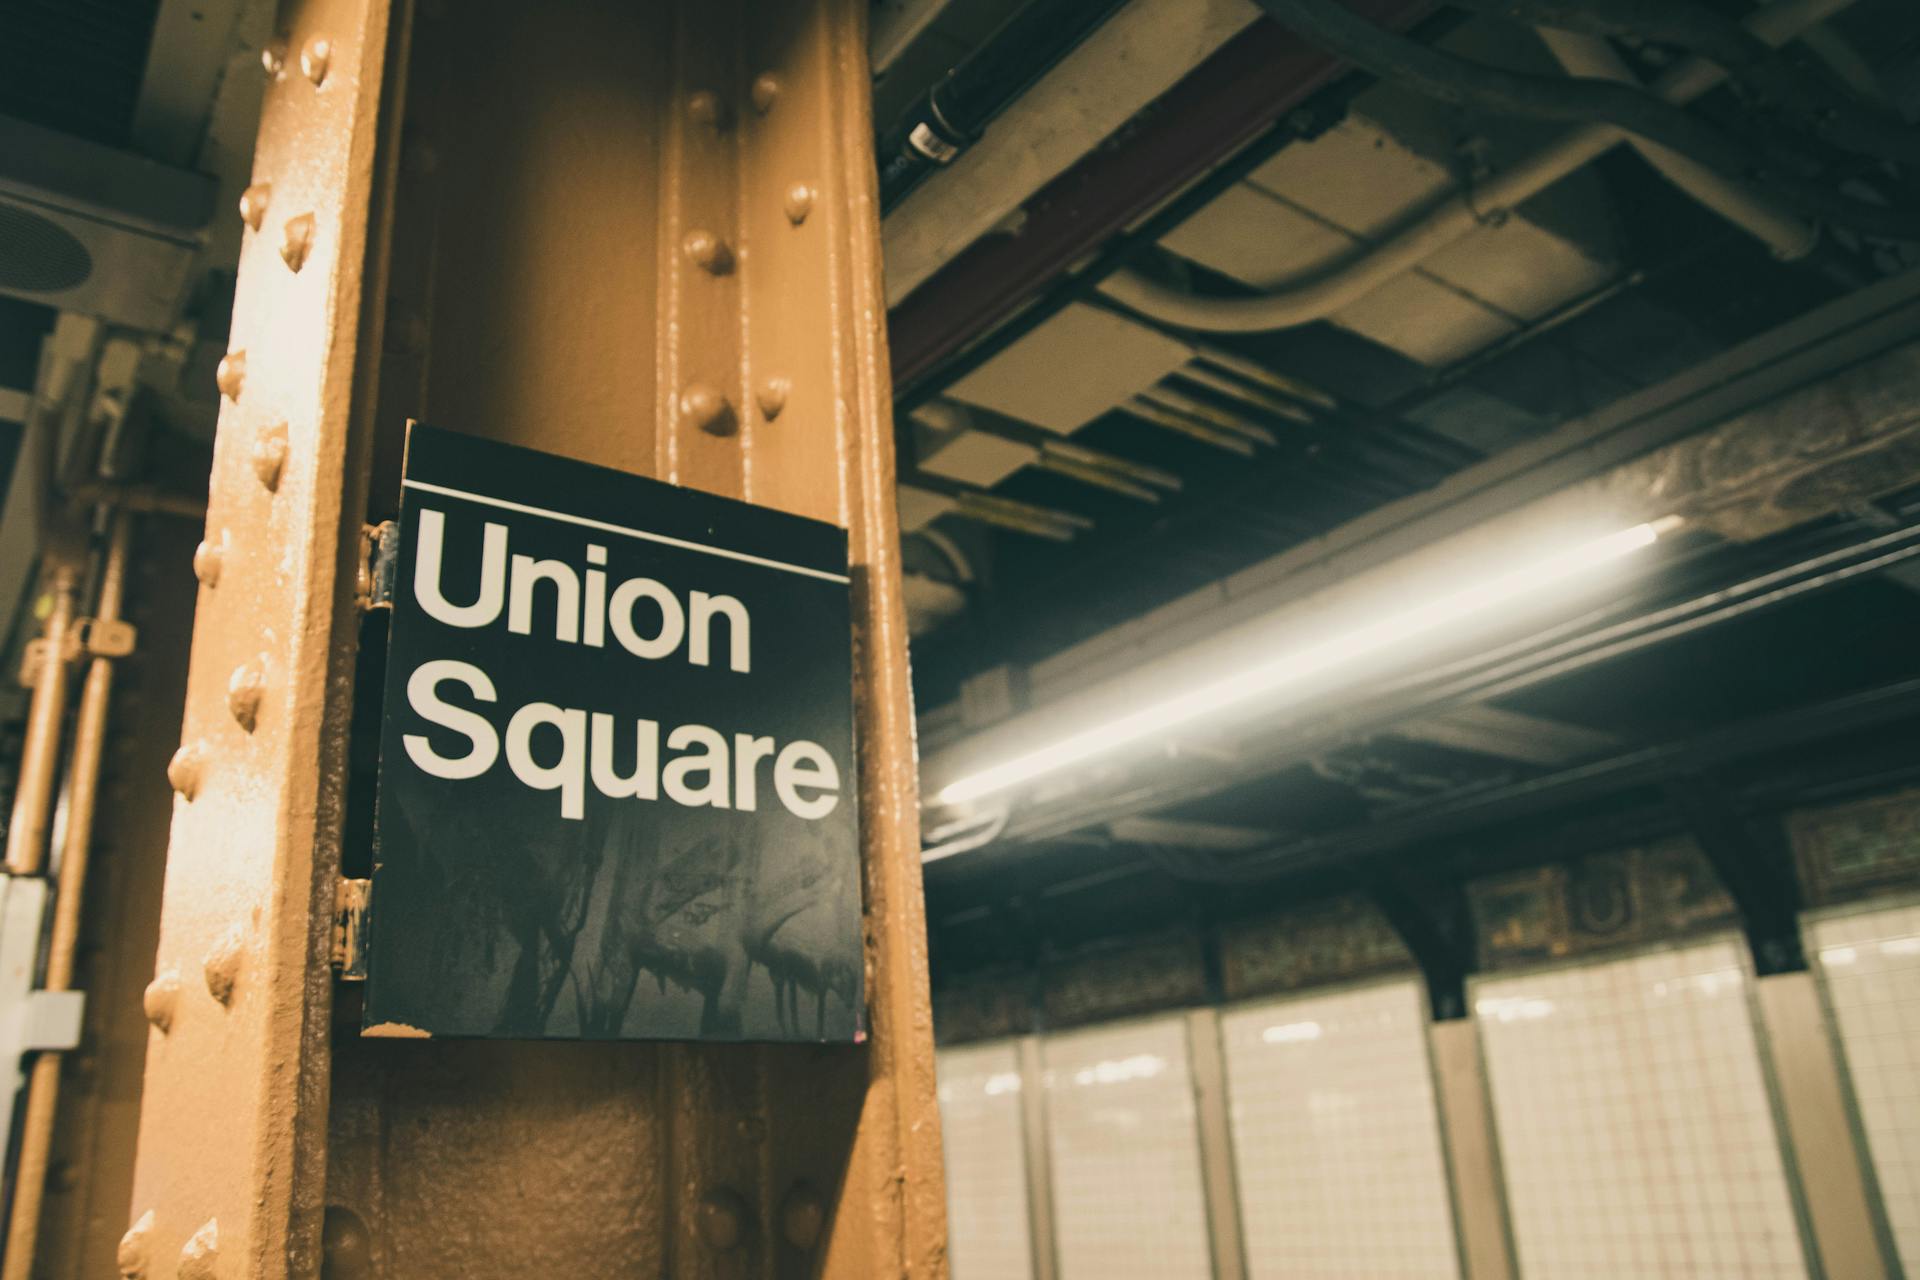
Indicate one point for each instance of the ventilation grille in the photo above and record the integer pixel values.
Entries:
(38, 255)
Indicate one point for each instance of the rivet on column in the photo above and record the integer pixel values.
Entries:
(707, 409)
(314, 57)
(799, 202)
(184, 770)
(270, 455)
(253, 204)
(772, 396)
(135, 1248)
(222, 966)
(274, 58)
(297, 241)
(708, 252)
(209, 558)
(244, 689)
(721, 1219)
(766, 89)
(705, 108)
(802, 1214)
(162, 999)
(231, 374)
(200, 1253)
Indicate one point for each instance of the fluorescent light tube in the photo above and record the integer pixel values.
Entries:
(1298, 665)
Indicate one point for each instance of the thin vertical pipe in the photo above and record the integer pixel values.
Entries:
(39, 754)
(83, 787)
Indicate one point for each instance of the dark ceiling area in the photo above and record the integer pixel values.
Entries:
(1738, 678)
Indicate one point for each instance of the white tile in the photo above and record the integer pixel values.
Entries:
(1636, 1131)
(983, 1135)
(1870, 964)
(1336, 1142)
(1127, 1195)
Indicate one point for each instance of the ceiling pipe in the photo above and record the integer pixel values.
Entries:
(1249, 91)
(953, 114)
(1447, 221)
(1789, 236)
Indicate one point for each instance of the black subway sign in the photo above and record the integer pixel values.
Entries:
(616, 761)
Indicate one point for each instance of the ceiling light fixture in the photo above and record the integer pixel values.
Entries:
(1534, 578)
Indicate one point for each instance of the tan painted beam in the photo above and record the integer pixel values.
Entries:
(640, 235)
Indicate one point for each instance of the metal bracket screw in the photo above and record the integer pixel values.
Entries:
(273, 58)
(350, 929)
(379, 565)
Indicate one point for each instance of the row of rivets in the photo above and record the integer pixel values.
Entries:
(700, 403)
(720, 1218)
(199, 1256)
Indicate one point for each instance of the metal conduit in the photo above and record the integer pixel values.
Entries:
(40, 753)
(83, 786)
(1787, 234)
(1450, 219)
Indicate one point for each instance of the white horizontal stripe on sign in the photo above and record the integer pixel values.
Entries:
(588, 522)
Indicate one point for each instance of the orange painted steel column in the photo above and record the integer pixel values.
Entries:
(640, 235)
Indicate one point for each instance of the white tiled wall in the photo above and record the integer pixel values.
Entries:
(1335, 1138)
(984, 1138)
(1636, 1130)
(1127, 1198)
(1871, 965)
